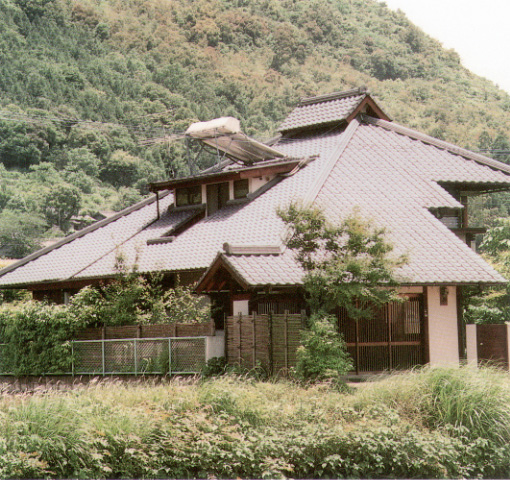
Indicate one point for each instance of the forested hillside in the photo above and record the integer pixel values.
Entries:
(86, 85)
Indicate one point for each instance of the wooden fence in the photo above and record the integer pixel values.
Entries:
(269, 341)
(148, 331)
(488, 344)
(390, 339)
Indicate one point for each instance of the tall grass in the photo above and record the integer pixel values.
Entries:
(476, 399)
(435, 423)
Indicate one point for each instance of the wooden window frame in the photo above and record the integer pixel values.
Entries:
(237, 183)
(193, 196)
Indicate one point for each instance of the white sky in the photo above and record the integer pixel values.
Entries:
(479, 30)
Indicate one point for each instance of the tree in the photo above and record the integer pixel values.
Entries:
(19, 233)
(60, 204)
(345, 266)
(491, 306)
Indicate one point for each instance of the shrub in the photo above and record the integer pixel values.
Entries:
(215, 366)
(322, 354)
(36, 338)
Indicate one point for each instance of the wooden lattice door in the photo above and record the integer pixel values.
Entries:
(392, 338)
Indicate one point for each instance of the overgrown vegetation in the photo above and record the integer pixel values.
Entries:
(36, 336)
(434, 423)
(144, 68)
(133, 299)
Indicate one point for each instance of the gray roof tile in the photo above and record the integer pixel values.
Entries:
(391, 177)
(332, 111)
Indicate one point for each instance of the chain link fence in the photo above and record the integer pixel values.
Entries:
(139, 356)
(134, 356)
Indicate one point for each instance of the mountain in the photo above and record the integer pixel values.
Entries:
(86, 86)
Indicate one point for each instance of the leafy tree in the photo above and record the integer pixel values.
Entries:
(133, 299)
(492, 305)
(60, 204)
(122, 169)
(20, 233)
(347, 266)
(84, 159)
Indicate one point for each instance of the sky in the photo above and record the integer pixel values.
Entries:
(477, 29)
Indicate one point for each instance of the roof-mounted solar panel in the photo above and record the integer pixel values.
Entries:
(225, 134)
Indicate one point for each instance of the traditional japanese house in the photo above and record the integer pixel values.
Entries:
(220, 230)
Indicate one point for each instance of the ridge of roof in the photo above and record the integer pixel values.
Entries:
(450, 147)
(81, 233)
(332, 96)
(331, 162)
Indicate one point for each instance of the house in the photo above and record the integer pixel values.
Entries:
(220, 230)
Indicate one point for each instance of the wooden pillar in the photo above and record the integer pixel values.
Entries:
(461, 327)
(254, 339)
(465, 213)
(425, 325)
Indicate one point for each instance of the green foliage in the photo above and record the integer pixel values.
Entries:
(492, 305)
(322, 354)
(473, 400)
(215, 366)
(345, 265)
(35, 338)
(437, 423)
(20, 232)
(60, 204)
(132, 299)
(484, 314)
(497, 239)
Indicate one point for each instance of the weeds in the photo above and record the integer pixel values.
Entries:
(435, 422)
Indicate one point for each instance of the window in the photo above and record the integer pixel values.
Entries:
(188, 196)
(241, 188)
(217, 197)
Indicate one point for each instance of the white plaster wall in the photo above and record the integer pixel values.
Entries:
(443, 336)
(240, 307)
(215, 345)
(257, 182)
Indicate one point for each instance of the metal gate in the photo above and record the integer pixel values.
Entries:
(391, 339)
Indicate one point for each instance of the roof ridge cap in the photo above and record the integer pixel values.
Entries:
(80, 233)
(456, 150)
(333, 96)
(331, 162)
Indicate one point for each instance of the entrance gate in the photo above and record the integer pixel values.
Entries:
(391, 339)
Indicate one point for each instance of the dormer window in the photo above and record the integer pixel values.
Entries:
(188, 196)
(241, 188)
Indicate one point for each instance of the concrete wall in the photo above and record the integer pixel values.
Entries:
(240, 307)
(443, 334)
(471, 345)
(215, 345)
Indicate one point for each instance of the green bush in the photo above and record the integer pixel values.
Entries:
(132, 299)
(483, 314)
(36, 338)
(322, 354)
(215, 366)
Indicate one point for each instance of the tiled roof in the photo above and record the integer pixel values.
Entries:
(389, 174)
(321, 112)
